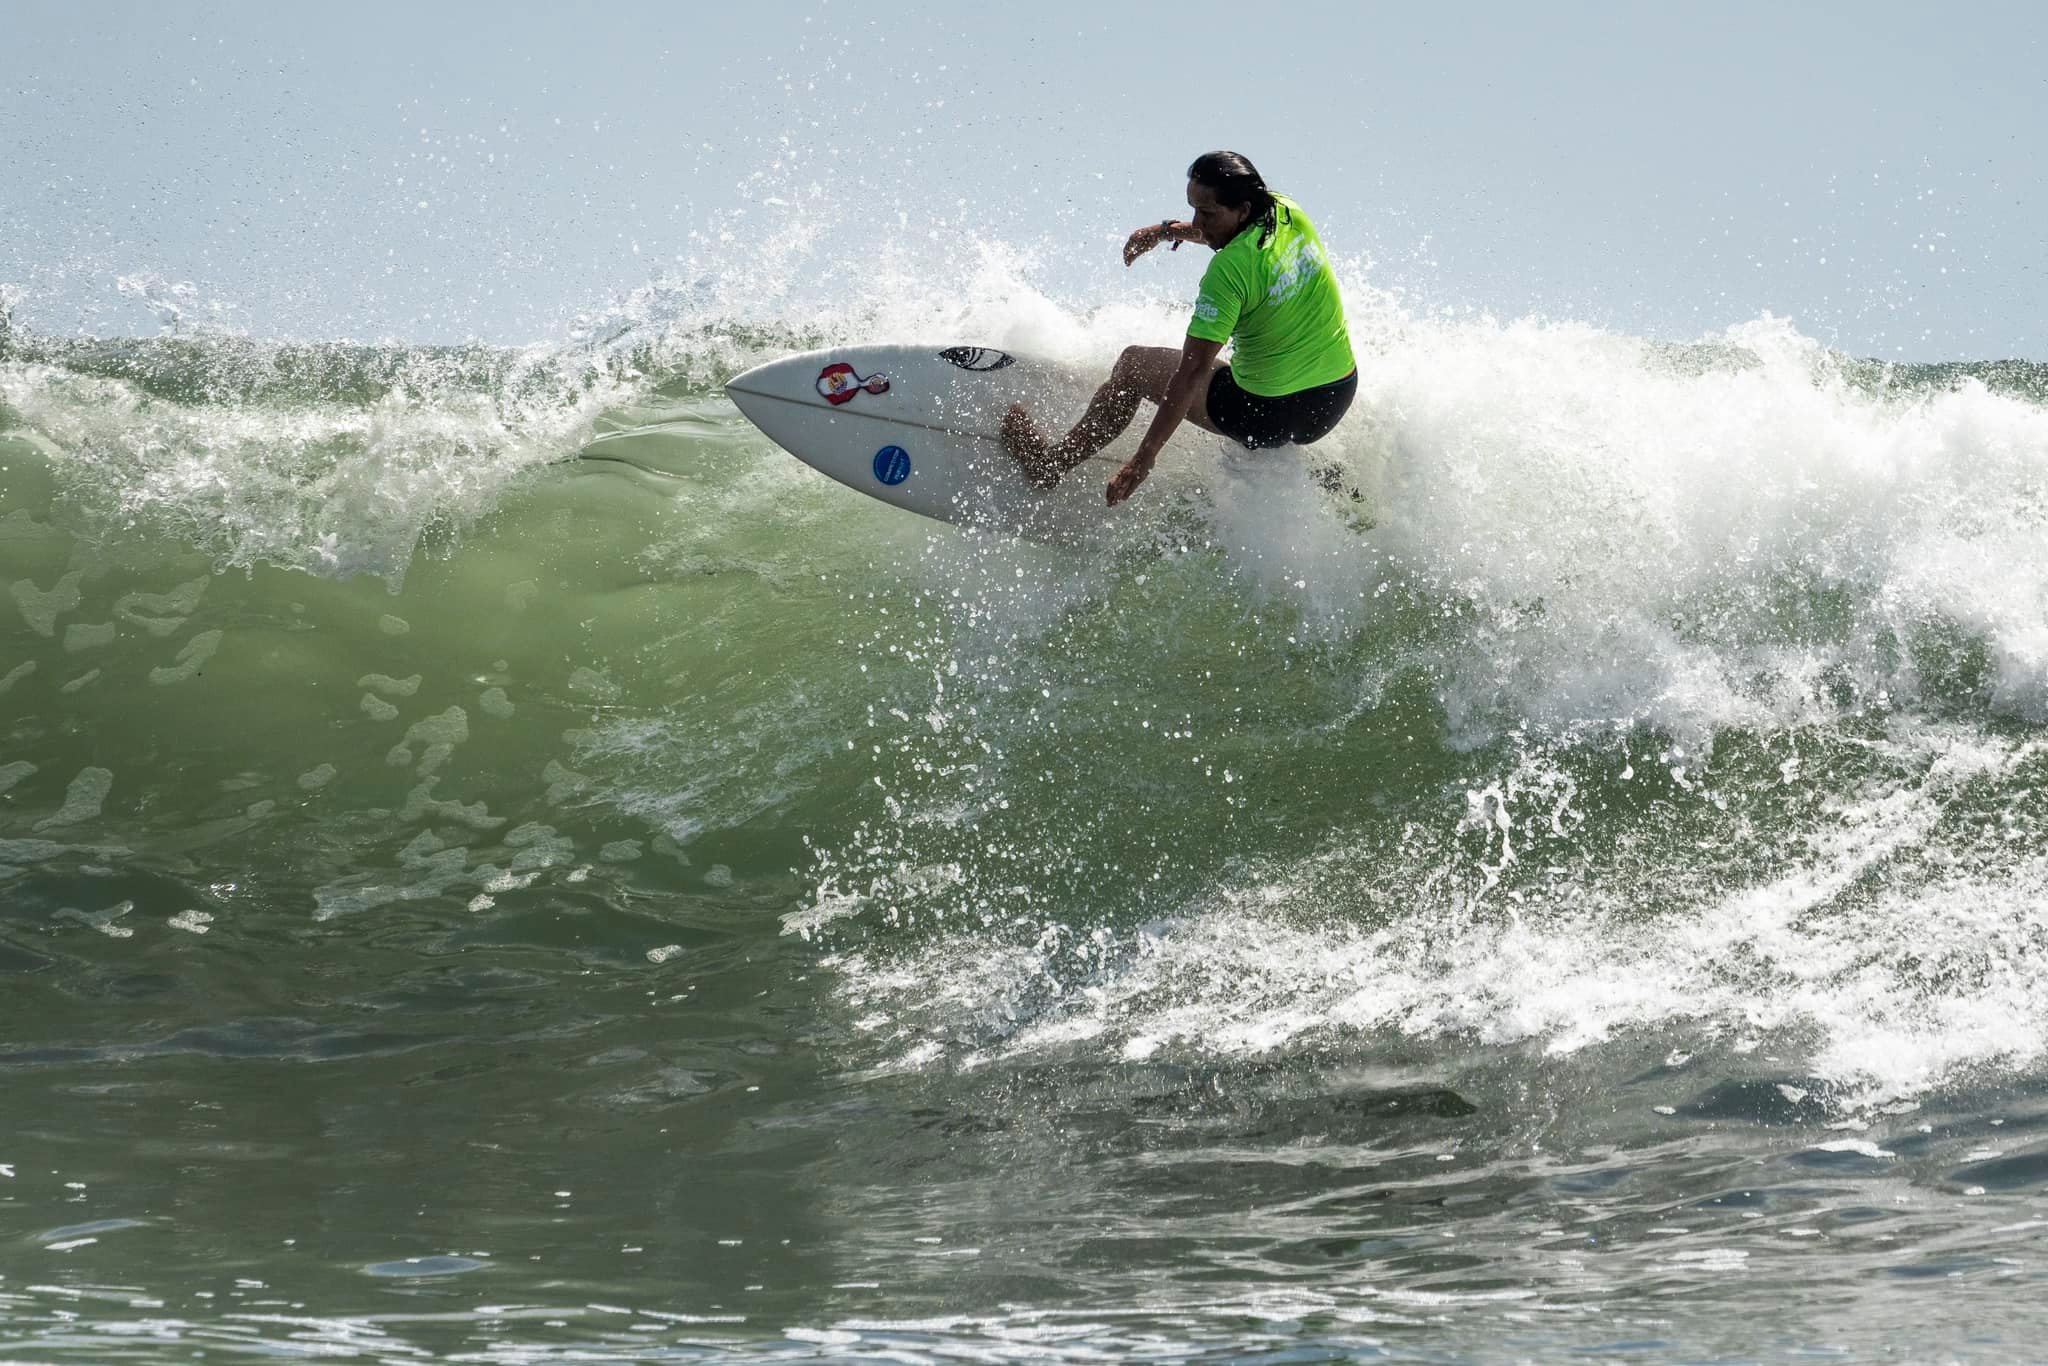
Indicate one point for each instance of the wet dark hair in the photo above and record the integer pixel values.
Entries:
(1233, 179)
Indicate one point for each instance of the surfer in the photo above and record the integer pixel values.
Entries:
(1291, 375)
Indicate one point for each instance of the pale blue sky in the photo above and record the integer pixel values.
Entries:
(434, 171)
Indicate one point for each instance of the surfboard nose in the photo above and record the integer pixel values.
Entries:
(761, 378)
(782, 380)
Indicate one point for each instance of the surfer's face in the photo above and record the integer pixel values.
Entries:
(1216, 222)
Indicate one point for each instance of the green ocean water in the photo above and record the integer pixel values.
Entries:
(499, 863)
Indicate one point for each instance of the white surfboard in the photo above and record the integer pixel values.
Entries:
(920, 427)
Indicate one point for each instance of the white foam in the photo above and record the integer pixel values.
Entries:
(593, 684)
(389, 686)
(563, 783)
(421, 804)
(1728, 534)
(190, 659)
(83, 636)
(82, 800)
(101, 921)
(1635, 538)
(41, 609)
(161, 614)
(439, 734)
(330, 488)
(1884, 987)
(1696, 538)
(1859, 1146)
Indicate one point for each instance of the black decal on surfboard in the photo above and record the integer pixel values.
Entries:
(977, 357)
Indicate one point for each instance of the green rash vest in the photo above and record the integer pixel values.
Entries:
(1281, 304)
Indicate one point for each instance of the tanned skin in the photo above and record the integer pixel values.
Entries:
(1176, 381)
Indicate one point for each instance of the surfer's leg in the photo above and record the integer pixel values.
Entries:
(1137, 374)
(1030, 449)
(1141, 372)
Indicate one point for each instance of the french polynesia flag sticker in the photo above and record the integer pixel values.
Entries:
(839, 382)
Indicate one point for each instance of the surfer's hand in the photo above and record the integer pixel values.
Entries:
(1128, 478)
(1142, 241)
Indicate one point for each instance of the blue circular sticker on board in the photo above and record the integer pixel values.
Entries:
(892, 465)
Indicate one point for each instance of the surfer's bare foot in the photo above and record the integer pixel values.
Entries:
(1028, 448)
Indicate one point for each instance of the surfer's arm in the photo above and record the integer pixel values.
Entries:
(1152, 234)
(1197, 359)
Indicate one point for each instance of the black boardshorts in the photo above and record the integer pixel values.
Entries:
(1257, 422)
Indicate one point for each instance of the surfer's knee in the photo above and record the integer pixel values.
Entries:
(1137, 371)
